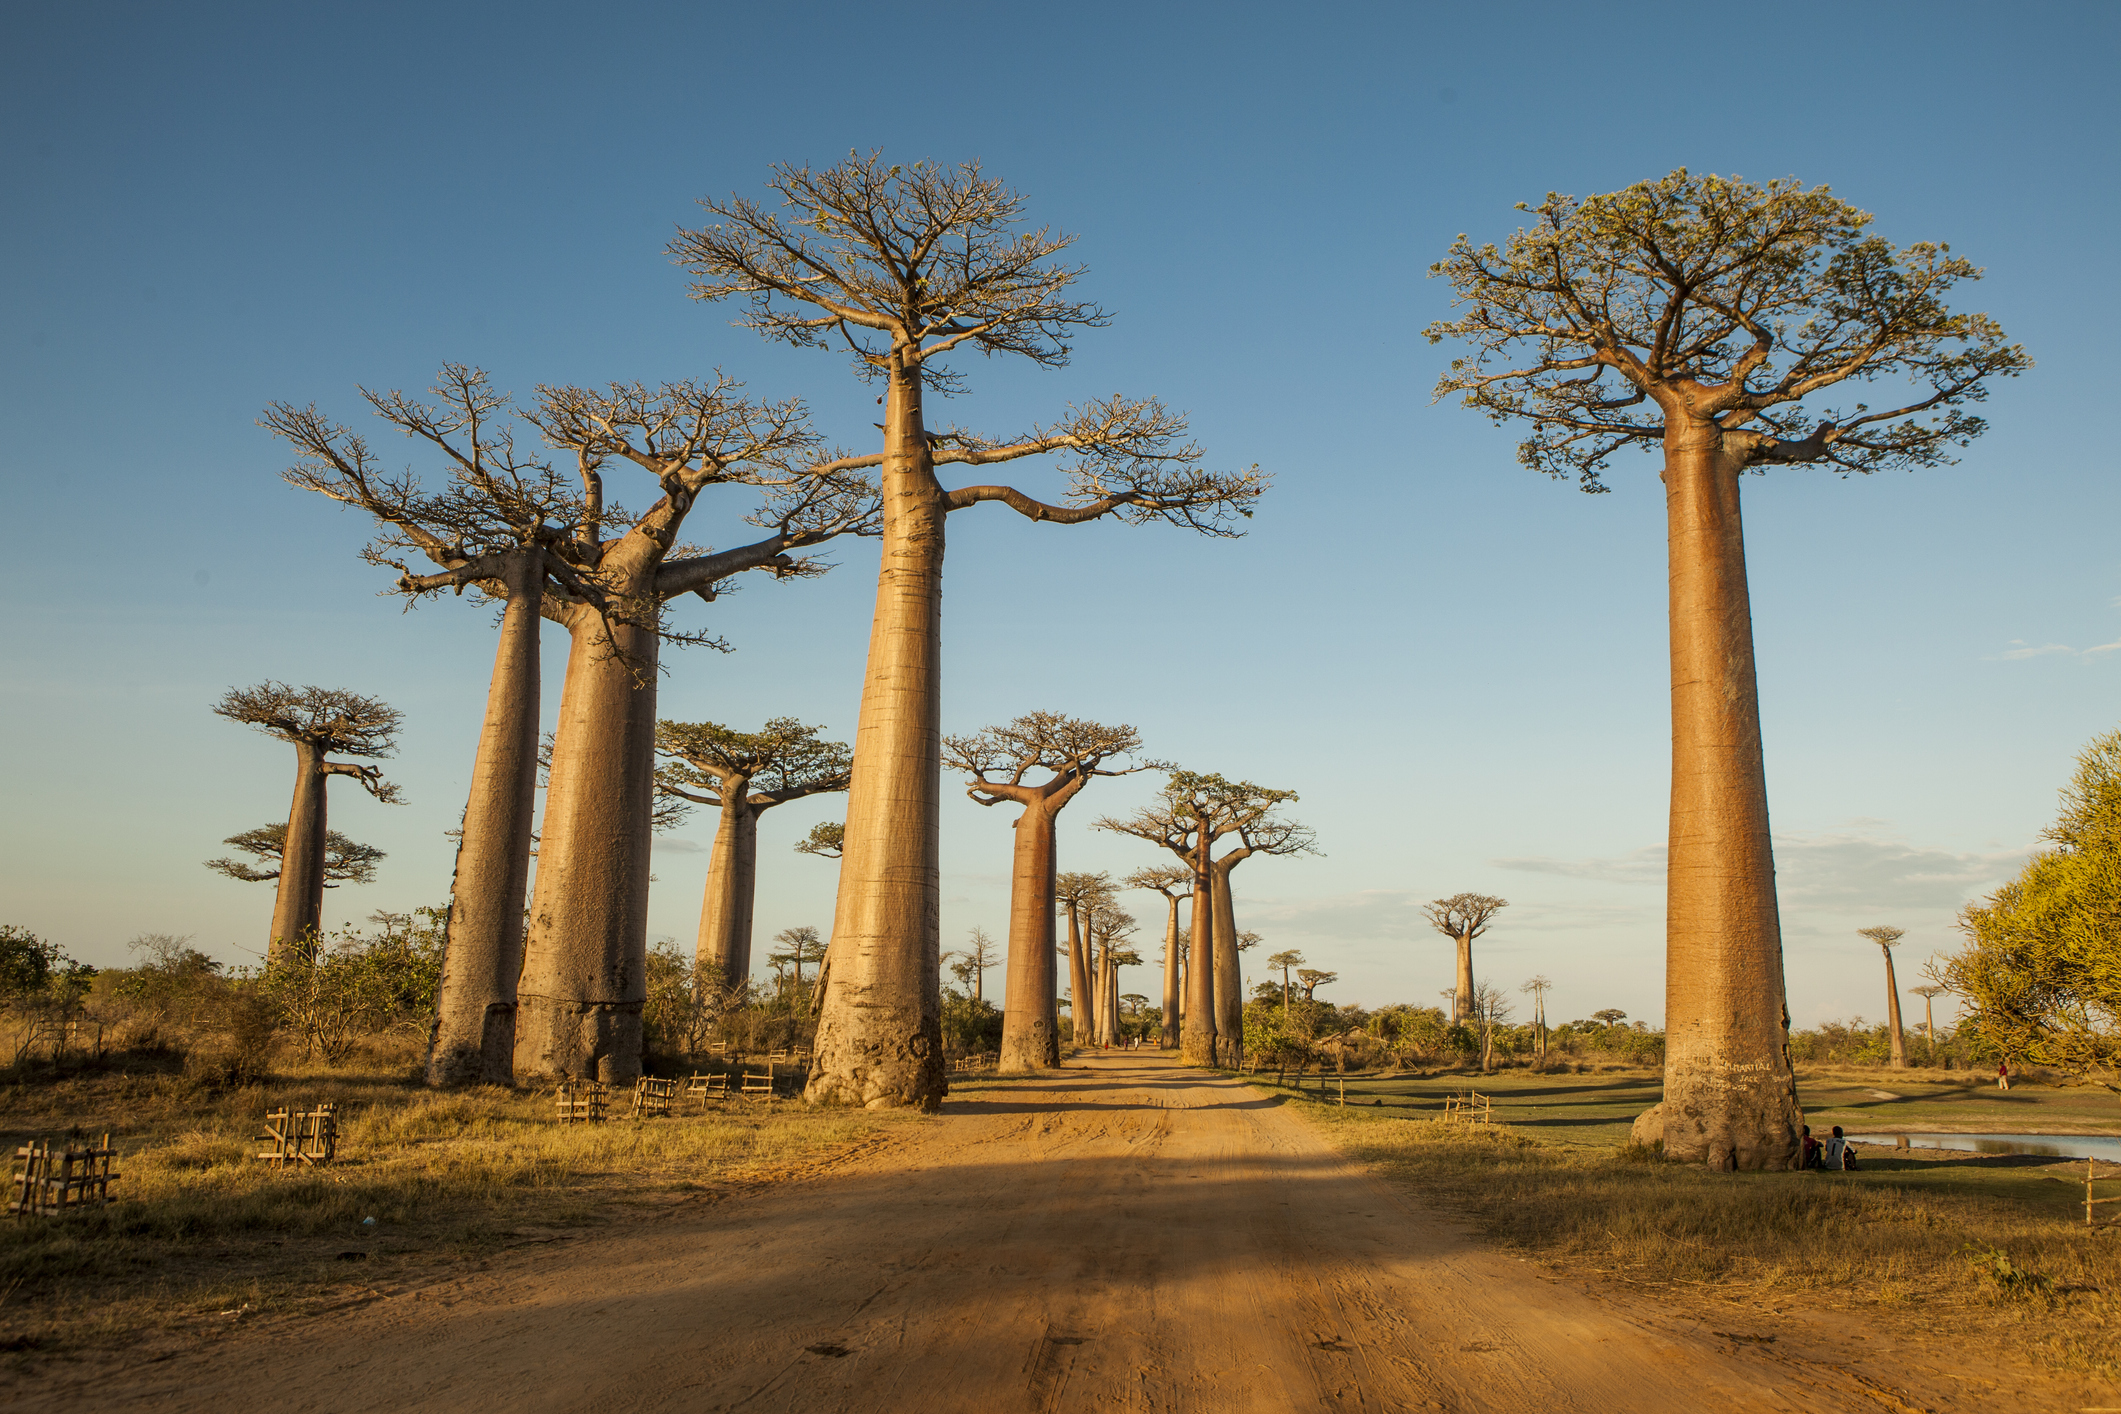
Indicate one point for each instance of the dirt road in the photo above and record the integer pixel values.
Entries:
(1124, 1235)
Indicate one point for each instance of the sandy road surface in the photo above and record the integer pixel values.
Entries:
(1127, 1235)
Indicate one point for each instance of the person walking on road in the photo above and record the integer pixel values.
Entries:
(2003, 1075)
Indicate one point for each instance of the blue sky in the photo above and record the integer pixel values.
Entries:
(1459, 665)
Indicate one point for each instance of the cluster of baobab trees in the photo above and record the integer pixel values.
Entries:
(1701, 316)
(904, 267)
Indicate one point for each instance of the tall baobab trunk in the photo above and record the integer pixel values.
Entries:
(1892, 1013)
(1108, 1014)
(1730, 1099)
(1169, 1039)
(1229, 982)
(586, 958)
(1196, 1039)
(1030, 1032)
(1462, 1000)
(298, 906)
(880, 1036)
(1080, 1007)
(724, 949)
(475, 1006)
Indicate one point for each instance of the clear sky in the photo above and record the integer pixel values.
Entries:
(1458, 664)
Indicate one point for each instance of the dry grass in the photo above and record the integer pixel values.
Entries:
(2000, 1251)
(203, 1231)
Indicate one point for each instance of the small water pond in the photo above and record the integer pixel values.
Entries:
(2060, 1146)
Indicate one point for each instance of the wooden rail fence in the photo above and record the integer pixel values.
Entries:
(47, 1184)
(297, 1137)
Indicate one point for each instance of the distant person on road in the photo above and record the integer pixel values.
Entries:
(2003, 1075)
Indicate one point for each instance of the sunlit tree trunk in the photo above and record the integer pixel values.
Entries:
(1172, 975)
(879, 1039)
(1079, 1007)
(1729, 1097)
(1462, 1004)
(1030, 1031)
(1197, 1029)
(586, 958)
(724, 947)
(475, 1006)
(298, 906)
(1229, 979)
(1892, 1012)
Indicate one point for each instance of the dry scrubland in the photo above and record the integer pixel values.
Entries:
(1986, 1245)
(205, 1235)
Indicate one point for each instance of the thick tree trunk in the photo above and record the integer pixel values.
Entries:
(1030, 1037)
(723, 952)
(1462, 1003)
(1729, 1098)
(298, 906)
(1110, 1013)
(879, 1038)
(1892, 1012)
(1169, 1039)
(1080, 1008)
(586, 959)
(1229, 979)
(1196, 1037)
(475, 1007)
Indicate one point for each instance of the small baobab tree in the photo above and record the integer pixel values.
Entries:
(906, 266)
(1175, 883)
(345, 861)
(1886, 939)
(1929, 992)
(825, 840)
(1040, 761)
(1313, 978)
(1537, 988)
(319, 723)
(1193, 813)
(1080, 895)
(1491, 1008)
(1285, 962)
(972, 962)
(1462, 918)
(1709, 318)
(743, 775)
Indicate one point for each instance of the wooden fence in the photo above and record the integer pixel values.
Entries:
(300, 1137)
(45, 1184)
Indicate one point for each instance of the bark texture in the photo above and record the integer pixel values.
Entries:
(1080, 1007)
(1229, 976)
(1892, 1012)
(724, 948)
(475, 1007)
(1730, 1100)
(1172, 974)
(1198, 1027)
(586, 957)
(879, 1038)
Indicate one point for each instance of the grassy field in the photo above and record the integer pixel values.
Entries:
(1992, 1243)
(205, 1234)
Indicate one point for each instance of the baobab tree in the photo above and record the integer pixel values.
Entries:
(345, 862)
(1708, 317)
(1175, 883)
(1194, 811)
(1538, 987)
(1885, 938)
(1080, 895)
(1285, 963)
(906, 266)
(1061, 755)
(826, 839)
(1491, 1008)
(319, 723)
(1929, 994)
(743, 775)
(585, 957)
(972, 963)
(1313, 978)
(797, 946)
(503, 525)
(1107, 929)
(1462, 918)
